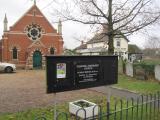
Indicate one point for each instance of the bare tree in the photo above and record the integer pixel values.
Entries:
(121, 17)
(153, 42)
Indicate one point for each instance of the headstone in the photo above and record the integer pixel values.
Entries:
(140, 73)
(157, 72)
(129, 69)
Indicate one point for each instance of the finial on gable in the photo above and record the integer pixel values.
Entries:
(60, 27)
(5, 23)
(34, 2)
(5, 18)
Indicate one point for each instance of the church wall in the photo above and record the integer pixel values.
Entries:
(0, 50)
(22, 43)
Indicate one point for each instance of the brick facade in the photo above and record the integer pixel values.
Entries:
(0, 51)
(17, 37)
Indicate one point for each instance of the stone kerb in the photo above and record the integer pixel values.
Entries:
(129, 69)
(157, 72)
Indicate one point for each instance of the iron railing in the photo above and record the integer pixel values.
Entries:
(145, 107)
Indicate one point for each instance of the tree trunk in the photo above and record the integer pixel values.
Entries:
(110, 30)
(110, 45)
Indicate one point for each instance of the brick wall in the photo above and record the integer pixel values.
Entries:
(0, 50)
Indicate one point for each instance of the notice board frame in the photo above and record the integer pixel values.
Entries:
(92, 71)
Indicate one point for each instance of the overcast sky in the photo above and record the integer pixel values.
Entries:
(16, 8)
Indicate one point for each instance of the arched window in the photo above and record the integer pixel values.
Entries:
(52, 50)
(14, 53)
(118, 43)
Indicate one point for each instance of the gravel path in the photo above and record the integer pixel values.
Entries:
(121, 93)
(27, 89)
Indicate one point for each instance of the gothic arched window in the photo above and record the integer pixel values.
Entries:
(14, 53)
(52, 50)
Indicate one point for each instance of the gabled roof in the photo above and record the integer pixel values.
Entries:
(82, 46)
(98, 38)
(101, 37)
(29, 15)
(132, 48)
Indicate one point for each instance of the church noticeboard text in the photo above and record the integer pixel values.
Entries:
(87, 72)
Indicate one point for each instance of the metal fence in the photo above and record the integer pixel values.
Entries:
(145, 107)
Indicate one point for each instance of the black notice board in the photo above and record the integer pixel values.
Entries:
(66, 73)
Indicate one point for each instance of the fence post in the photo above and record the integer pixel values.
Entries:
(132, 102)
(55, 107)
(150, 116)
(115, 109)
(121, 112)
(147, 107)
(108, 103)
(154, 111)
(158, 102)
(100, 112)
(127, 110)
(108, 108)
(137, 106)
(142, 100)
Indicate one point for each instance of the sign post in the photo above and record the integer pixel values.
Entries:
(55, 107)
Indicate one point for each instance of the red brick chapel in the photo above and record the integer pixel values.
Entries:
(30, 39)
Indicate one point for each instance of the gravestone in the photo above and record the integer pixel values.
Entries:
(129, 69)
(157, 72)
(140, 73)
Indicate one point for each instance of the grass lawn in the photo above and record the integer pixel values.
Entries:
(48, 112)
(139, 86)
(153, 61)
(133, 84)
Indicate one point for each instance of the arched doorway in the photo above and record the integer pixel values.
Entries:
(37, 60)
